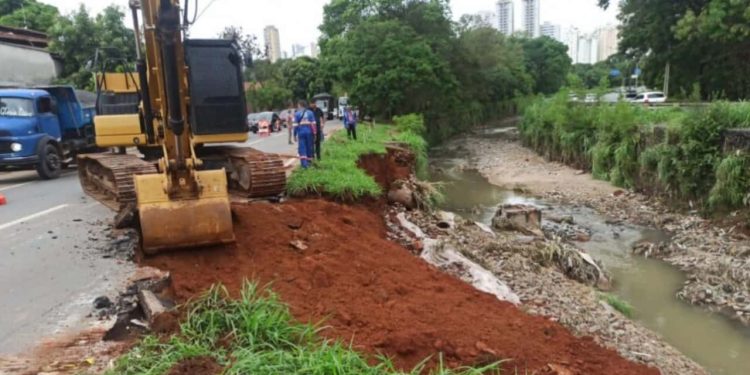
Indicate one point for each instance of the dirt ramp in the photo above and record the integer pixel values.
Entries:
(332, 263)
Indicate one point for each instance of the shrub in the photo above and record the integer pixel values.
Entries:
(732, 182)
(688, 164)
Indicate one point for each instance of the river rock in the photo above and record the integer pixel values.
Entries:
(402, 195)
(447, 220)
(519, 217)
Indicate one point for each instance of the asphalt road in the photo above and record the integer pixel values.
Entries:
(54, 253)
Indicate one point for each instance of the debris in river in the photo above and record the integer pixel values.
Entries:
(519, 217)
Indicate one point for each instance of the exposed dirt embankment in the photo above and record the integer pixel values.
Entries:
(333, 264)
(396, 164)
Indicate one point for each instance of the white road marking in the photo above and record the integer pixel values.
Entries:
(32, 216)
(15, 186)
(267, 138)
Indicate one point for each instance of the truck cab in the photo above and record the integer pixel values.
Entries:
(42, 129)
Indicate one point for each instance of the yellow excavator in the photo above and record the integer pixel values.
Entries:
(185, 97)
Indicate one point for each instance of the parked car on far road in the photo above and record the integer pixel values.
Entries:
(650, 97)
(252, 122)
(270, 120)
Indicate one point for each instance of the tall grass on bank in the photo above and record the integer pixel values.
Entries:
(254, 334)
(337, 174)
(671, 151)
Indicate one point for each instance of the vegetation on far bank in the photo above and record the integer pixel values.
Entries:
(337, 174)
(674, 152)
(255, 334)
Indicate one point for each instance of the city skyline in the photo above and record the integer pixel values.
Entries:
(254, 16)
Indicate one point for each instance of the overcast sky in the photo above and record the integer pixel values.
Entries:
(298, 20)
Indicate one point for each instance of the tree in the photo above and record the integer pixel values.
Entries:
(77, 37)
(264, 70)
(304, 77)
(399, 56)
(704, 41)
(247, 43)
(491, 69)
(28, 14)
(547, 62)
(388, 67)
(268, 96)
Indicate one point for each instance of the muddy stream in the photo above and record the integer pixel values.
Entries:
(718, 344)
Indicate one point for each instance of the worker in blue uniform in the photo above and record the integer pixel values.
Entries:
(304, 133)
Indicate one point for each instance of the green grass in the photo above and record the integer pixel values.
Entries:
(618, 143)
(255, 334)
(337, 174)
(618, 304)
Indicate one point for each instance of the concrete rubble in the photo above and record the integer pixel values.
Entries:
(539, 286)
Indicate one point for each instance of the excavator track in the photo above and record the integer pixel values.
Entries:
(108, 177)
(251, 173)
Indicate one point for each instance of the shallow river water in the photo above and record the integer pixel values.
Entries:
(717, 343)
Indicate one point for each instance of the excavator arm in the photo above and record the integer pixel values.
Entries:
(180, 206)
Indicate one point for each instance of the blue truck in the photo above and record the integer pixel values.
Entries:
(44, 128)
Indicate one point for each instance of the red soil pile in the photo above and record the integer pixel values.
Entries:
(375, 294)
(196, 365)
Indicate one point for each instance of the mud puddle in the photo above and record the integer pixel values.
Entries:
(649, 285)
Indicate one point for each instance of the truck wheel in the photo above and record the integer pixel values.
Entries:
(50, 163)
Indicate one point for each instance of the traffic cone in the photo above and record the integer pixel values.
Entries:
(2, 200)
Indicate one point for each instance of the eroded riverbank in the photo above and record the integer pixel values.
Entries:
(617, 220)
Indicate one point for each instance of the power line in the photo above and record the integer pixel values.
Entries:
(204, 10)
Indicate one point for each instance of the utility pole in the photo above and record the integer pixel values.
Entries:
(23, 12)
(666, 80)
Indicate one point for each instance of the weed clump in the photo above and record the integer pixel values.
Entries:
(254, 334)
(618, 304)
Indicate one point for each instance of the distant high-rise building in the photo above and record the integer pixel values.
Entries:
(551, 30)
(570, 38)
(314, 50)
(531, 18)
(487, 18)
(588, 47)
(594, 56)
(608, 42)
(505, 16)
(273, 44)
(298, 50)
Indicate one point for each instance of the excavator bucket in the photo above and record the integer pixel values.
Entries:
(168, 224)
